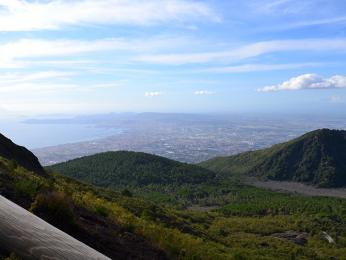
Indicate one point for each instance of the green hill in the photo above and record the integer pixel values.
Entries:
(123, 168)
(317, 158)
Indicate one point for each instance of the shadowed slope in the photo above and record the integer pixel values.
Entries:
(20, 155)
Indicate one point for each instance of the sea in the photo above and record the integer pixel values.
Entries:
(40, 135)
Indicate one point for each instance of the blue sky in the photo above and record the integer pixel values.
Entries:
(87, 56)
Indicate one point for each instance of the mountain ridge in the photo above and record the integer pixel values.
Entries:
(19, 154)
(317, 157)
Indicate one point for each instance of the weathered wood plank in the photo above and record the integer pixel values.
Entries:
(32, 238)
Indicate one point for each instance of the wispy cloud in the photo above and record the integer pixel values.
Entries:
(261, 67)
(295, 14)
(247, 51)
(11, 78)
(18, 15)
(153, 94)
(34, 107)
(308, 81)
(279, 7)
(203, 92)
(14, 53)
(29, 83)
(309, 23)
(35, 88)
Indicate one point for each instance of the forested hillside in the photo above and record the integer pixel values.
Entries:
(244, 222)
(150, 176)
(134, 169)
(317, 158)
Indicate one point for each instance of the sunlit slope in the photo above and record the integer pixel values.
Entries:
(318, 158)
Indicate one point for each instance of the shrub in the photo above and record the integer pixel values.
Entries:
(101, 210)
(27, 187)
(54, 207)
(13, 256)
(126, 193)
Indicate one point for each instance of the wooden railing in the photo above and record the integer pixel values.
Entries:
(30, 237)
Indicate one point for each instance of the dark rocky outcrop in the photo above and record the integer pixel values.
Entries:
(20, 155)
(299, 238)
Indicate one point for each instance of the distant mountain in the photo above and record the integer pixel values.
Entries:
(132, 168)
(317, 158)
(20, 155)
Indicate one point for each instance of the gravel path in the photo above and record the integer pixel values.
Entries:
(299, 188)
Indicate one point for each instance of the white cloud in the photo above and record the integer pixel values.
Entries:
(247, 51)
(45, 82)
(308, 81)
(13, 54)
(11, 78)
(153, 94)
(26, 52)
(203, 92)
(34, 88)
(26, 83)
(20, 15)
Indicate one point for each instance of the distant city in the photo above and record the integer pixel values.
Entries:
(183, 137)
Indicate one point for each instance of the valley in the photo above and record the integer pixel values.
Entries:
(142, 206)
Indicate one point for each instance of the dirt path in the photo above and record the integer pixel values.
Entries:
(299, 188)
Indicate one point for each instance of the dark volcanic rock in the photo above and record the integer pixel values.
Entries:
(20, 155)
(300, 238)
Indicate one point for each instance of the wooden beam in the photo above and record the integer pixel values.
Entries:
(32, 238)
